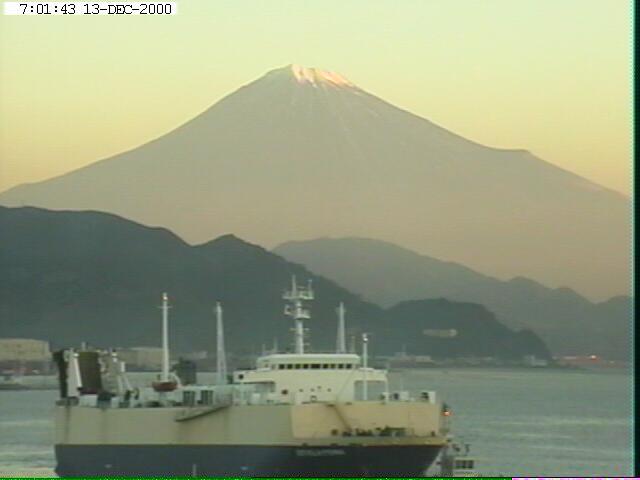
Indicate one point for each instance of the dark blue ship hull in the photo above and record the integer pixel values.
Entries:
(246, 461)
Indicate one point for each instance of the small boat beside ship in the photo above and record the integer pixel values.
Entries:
(302, 414)
(453, 461)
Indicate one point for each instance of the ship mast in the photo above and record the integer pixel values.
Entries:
(365, 358)
(341, 345)
(295, 309)
(221, 360)
(165, 338)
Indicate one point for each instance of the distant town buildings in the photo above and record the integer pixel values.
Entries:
(24, 350)
(196, 356)
(533, 361)
(24, 354)
(150, 358)
(402, 360)
(441, 333)
(588, 361)
(143, 358)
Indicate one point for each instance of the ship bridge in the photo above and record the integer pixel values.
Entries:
(309, 361)
(314, 377)
(307, 377)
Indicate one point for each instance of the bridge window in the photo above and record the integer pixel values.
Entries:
(326, 366)
(465, 464)
(281, 366)
(340, 366)
(305, 366)
(189, 398)
(207, 397)
(315, 366)
(289, 366)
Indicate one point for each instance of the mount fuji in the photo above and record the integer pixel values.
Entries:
(303, 153)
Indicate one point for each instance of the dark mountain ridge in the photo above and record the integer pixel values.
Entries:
(89, 276)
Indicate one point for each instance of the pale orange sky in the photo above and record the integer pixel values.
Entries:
(549, 76)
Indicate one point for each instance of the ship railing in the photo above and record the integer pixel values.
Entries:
(376, 432)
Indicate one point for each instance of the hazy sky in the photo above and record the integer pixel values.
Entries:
(549, 76)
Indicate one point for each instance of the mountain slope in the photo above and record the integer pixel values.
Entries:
(473, 324)
(387, 274)
(69, 277)
(309, 147)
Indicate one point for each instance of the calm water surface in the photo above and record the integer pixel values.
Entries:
(518, 422)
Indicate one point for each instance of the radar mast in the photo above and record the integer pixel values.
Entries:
(295, 308)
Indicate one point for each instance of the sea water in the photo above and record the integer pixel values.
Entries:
(518, 422)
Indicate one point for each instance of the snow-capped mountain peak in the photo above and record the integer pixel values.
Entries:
(316, 76)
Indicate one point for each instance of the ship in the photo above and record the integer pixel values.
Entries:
(454, 460)
(303, 413)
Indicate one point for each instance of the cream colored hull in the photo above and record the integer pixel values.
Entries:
(260, 440)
